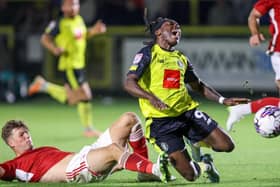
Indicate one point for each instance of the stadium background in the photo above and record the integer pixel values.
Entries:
(215, 38)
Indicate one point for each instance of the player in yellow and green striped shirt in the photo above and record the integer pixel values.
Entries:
(66, 38)
(158, 77)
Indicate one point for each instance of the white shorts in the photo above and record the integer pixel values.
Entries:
(78, 171)
(275, 61)
(103, 140)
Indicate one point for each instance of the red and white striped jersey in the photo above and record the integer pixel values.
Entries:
(33, 164)
(272, 7)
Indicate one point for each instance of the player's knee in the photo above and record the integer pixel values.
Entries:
(230, 147)
(226, 146)
(131, 118)
(115, 148)
(189, 175)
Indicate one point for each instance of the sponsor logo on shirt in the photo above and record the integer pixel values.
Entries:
(171, 79)
(180, 64)
(137, 58)
(78, 33)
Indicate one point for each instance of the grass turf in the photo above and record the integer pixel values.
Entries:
(254, 162)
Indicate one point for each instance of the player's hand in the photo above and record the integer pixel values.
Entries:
(98, 28)
(157, 103)
(235, 101)
(256, 39)
(58, 51)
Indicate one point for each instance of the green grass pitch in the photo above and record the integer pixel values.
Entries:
(254, 162)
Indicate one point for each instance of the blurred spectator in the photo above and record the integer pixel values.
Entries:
(220, 13)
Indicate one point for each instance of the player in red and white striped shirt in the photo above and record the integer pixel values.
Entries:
(272, 7)
(93, 163)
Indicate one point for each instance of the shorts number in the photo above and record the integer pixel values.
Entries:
(198, 114)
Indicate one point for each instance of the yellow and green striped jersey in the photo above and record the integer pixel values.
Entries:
(164, 74)
(69, 34)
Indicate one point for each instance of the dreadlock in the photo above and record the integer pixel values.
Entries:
(152, 26)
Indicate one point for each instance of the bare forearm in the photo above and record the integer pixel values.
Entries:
(48, 43)
(135, 90)
(210, 93)
(253, 22)
(253, 25)
(45, 41)
(132, 87)
(205, 90)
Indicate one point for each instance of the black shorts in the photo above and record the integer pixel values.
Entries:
(75, 77)
(168, 132)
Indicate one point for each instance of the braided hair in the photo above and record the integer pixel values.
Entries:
(153, 26)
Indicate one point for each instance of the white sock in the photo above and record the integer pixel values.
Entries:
(242, 109)
(155, 170)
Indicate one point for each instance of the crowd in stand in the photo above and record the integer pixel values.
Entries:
(25, 14)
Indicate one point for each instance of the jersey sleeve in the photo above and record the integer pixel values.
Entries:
(263, 6)
(140, 62)
(190, 74)
(53, 28)
(9, 168)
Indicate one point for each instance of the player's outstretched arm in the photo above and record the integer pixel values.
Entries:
(98, 28)
(235, 101)
(211, 94)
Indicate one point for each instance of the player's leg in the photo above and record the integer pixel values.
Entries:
(168, 135)
(275, 59)
(40, 85)
(174, 146)
(201, 131)
(238, 111)
(219, 140)
(80, 91)
(205, 132)
(182, 162)
(191, 170)
(258, 104)
(196, 150)
(128, 129)
(102, 160)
